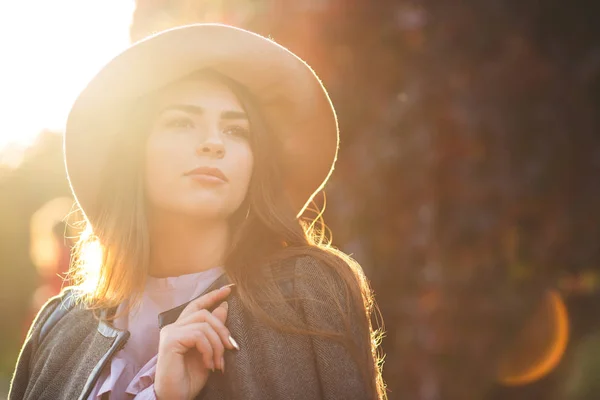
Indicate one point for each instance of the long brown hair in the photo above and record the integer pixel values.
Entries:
(266, 234)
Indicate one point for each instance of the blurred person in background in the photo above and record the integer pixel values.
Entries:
(193, 155)
(51, 275)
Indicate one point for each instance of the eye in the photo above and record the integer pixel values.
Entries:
(178, 122)
(237, 130)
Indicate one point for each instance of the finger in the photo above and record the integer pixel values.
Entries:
(213, 354)
(206, 301)
(217, 345)
(183, 338)
(221, 312)
(205, 316)
(204, 347)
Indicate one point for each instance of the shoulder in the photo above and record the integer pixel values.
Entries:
(45, 318)
(311, 265)
(329, 295)
(321, 279)
(54, 308)
(50, 307)
(328, 272)
(62, 304)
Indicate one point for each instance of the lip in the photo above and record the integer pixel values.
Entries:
(207, 174)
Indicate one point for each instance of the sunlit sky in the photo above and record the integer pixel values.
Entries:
(49, 50)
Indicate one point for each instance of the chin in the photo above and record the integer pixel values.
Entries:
(202, 210)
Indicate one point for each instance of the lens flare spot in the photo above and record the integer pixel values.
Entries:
(540, 345)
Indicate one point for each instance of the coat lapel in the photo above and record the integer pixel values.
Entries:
(170, 316)
(119, 338)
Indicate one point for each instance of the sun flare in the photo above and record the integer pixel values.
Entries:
(50, 50)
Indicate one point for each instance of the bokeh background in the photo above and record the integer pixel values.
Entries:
(467, 185)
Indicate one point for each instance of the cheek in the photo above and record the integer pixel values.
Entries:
(161, 165)
(240, 163)
(245, 166)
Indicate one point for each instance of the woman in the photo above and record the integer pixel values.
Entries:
(193, 155)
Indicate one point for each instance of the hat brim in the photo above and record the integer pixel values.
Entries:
(292, 98)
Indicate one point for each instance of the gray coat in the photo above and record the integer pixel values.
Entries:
(67, 348)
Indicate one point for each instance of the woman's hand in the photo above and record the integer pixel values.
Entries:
(192, 346)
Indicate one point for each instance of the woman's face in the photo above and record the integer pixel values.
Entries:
(198, 156)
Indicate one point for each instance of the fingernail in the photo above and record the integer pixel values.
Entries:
(212, 365)
(225, 305)
(234, 343)
(231, 285)
(223, 364)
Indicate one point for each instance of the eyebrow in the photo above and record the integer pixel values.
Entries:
(230, 114)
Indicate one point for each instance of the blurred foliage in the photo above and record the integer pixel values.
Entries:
(467, 182)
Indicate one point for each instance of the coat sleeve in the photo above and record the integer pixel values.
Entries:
(20, 379)
(344, 367)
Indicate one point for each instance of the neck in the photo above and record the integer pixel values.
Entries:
(182, 245)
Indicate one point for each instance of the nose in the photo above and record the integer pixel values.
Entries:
(212, 147)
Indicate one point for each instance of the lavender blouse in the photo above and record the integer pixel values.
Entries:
(131, 371)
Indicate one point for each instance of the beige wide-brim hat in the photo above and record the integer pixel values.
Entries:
(290, 95)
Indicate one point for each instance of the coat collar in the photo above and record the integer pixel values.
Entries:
(165, 318)
(170, 316)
